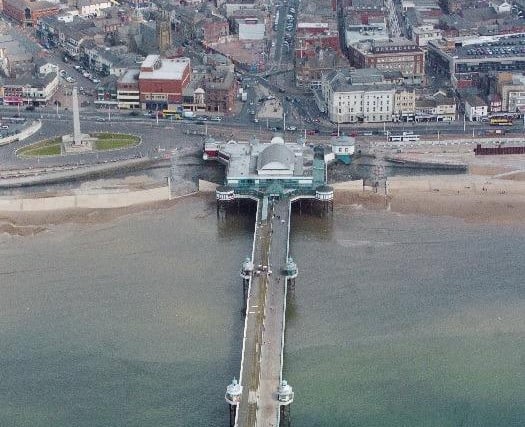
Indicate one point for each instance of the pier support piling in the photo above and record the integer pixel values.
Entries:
(285, 416)
(224, 195)
(285, 396)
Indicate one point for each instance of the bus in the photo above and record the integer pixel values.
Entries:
(501, 121)
(404, 137)
(172, 113)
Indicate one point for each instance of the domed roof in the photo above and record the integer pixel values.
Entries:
(276, 157)
(199, 90)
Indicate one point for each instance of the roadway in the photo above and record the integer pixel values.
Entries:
(164, 135)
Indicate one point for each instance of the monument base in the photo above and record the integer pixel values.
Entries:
(86, 143)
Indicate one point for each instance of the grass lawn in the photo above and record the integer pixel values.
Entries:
(113, 141)
(51, 147)
(104, 142)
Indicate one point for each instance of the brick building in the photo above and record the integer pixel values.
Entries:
(162, 81)
(220, 88)
(27, 12)
(392, 55)
(311, 37)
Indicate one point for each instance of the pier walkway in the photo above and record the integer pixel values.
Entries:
(262, 358)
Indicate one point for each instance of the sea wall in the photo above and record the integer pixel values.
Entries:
(25, 133)
(99, 200)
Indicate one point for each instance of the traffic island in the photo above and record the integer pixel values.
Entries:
(98, 142)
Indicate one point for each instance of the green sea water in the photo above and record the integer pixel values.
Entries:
(406, 321)
(396, 321)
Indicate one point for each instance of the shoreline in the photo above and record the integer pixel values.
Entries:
(475, 199)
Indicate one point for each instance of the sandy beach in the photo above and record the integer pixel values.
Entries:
(474, 198)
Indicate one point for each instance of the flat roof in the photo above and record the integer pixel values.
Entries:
(172, 68)
(312, 25)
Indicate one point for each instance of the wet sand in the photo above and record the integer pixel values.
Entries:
(30, 223)
(473, 198)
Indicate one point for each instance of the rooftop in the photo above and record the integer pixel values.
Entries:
(163, 68)
(271, 160)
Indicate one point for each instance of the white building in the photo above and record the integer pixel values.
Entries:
(92, 7)
(516, 101)
(128, 94)
(404, 105)
(422, 34)
(231, 6)
(348, 102)
(500, 6)
(475, 109)
(367, 104)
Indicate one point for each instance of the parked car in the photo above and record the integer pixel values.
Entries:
(291, 128)
(216, 119)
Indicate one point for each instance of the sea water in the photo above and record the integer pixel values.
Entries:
(397, 320)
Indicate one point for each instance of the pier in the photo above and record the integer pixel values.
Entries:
(263, 341)
(274, 175)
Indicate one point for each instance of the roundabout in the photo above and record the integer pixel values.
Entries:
(100, 141)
